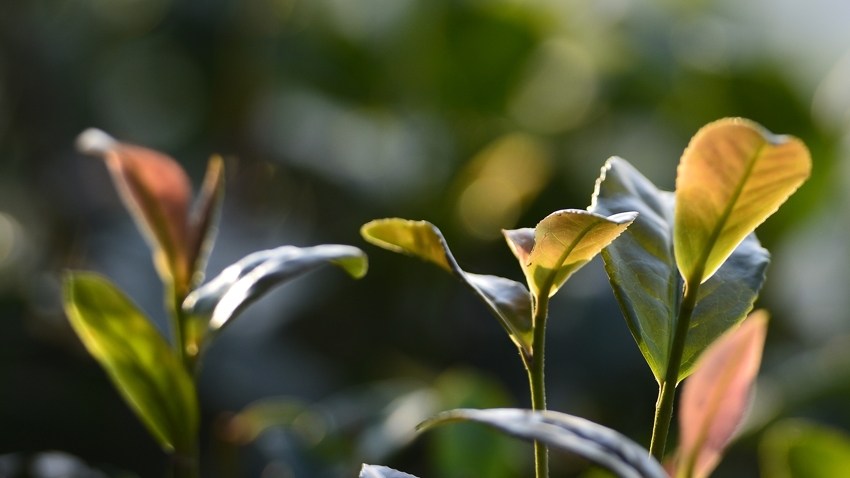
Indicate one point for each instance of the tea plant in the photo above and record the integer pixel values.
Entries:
(158, 379)
(686, 271)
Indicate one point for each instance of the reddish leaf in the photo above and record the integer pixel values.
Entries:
(157, 192)
(715, 396)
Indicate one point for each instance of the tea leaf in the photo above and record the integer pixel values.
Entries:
(802, 449)
(203, 224)
(374, 471)
(242, 283)
(733, 175)
(157, 192)
(646, 281)
(566, 240)
(715, 398)
(589, 440)
(507, 300)
(142, 366)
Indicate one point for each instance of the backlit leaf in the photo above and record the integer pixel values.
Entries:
(157, 192)
(733, 175)
(508, 300)
(589, 440)
(715, 397)
(374, 471)
(646, 281)
(802, 449)
(203, 224)
(566, 240)
(242, 283)
(142, 366)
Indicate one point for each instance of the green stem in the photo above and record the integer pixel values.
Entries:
(537, 381)
(667, 391)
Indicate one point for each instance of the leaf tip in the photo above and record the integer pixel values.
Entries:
(95, 142)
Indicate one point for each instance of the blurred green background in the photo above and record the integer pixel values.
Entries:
(476, 115)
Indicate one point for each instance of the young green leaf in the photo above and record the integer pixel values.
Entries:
(563, 242)
(715, 398)
(507, 300)
(646, 281)
(140, 363)
(589, 440)
(374, 471)
(733, 175)
(157, 192)
(242, 283)
(802, 449)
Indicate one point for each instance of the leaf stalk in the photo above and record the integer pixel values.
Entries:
(537, 380)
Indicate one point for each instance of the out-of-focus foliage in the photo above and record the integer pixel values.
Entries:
(330, 113)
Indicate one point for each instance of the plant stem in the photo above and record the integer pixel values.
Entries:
(537, 381)
(667, 390)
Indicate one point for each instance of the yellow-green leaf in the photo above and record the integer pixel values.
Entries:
(508, 300)
(566, 240)
(802, 449)
(142, 366)
(733, 175)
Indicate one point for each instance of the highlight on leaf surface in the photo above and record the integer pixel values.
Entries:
(733, 175)
(715, 397)
(158, 193)
(508, 300)
(374, 471)
(642, 269)
(563, 242)
(796, 448)
(141, 365)
(241, 284)
(601, 445)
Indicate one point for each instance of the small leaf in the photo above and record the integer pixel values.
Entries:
(646, 281)
(157, 192)
(374, 471)
(733, 175)
(566, 240)
(242, 283)
(589, 440)
(140, 363)
(715, 398)
(802, 449)
(507, 300)
(203, 224)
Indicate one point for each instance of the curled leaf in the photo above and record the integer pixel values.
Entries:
(563, 242)
(374, 471)
(642, 269)
(141, 365)
(507, 300)
(242, 283)
(592, 441)
(715, 397)
(733, 175)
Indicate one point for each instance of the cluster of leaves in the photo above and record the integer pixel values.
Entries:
(686, 272)
(157, 379)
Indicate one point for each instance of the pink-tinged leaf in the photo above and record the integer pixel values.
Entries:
(157, 192)
(521, 242)
(715, 397)
(203, 225)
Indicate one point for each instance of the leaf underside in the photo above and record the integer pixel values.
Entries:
(733, 175)
(508, 300)
(140, 363)
(589, 440)
(374, 471)
(244, 282)
(646, 281)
